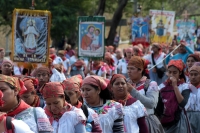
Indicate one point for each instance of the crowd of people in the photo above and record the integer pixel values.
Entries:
(134, 90)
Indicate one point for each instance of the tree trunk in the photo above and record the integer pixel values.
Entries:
(101, 8)
(115, 21)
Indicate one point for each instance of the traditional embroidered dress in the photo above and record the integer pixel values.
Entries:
(70, 117)
(180, 125)
(193, 105)
(74, 83)
(23, 111)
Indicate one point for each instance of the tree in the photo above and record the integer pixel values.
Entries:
(115, 21)
(64, 15)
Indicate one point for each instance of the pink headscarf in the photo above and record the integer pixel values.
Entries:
(96, 81)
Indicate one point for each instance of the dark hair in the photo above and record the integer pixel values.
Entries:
(182, 76)
(104, 94)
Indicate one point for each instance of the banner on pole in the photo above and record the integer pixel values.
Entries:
(140, 30)
(186, 31)
(30, 36)
(162, 24)
(91, 36)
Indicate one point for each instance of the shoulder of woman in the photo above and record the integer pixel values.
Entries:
(153, 86)
(40, 112)
(184, 86)
(21, 127)
(161, 86)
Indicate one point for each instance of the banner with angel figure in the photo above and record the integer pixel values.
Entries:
(186, 31)
(162, 23)
(91, 37)
(30, 35)
(140, 30)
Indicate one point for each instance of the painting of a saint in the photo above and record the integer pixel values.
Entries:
(87, 38)
(30, 36)
(91, 39)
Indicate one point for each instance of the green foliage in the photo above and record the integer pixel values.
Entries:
(64, 13)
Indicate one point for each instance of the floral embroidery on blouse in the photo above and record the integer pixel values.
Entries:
(104, 108)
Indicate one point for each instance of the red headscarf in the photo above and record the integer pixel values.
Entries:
(41, 69)
(195, 56)
(137, 62)
(52, 89)
(195, 67)
(95, 80)
(30, 84)
(115, 76)
(177, 63)
(14, 81)
(73, 83)
(129, 50)
(7, 62)
(1, 101)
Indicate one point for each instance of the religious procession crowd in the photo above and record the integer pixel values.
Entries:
(133, 90)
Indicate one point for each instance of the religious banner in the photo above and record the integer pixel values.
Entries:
(30, 36)
(186, 31)
(162, 26)
(91, 37)
(140, 30)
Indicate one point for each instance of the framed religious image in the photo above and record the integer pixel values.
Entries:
(91, 37)
(30, 35)
(140, 30)
(162, 26)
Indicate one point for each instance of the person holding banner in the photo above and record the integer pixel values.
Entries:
(157, 59)
(184, 52)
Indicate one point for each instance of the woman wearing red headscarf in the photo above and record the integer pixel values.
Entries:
(10, 125)
(193, 105)
(124, 62)
(192, 58)
(134, 111)
(97, 97)
(145, 90)
(96, 67)
(174, 97)
(12, 87)
(110, 65)
(7, 67)
(63, 116)
(30, 96)
(72, 90)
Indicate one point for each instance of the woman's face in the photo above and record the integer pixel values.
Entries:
(128, 54)
(194, 77)
(73, 96)
(155, 49)
(190, 62)
(9, 97)
(90, 94)
(28, 97)
(133, 72)
(119, 88)
(43, 77)
(7, 69)
(55, 104)
(172, 71)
